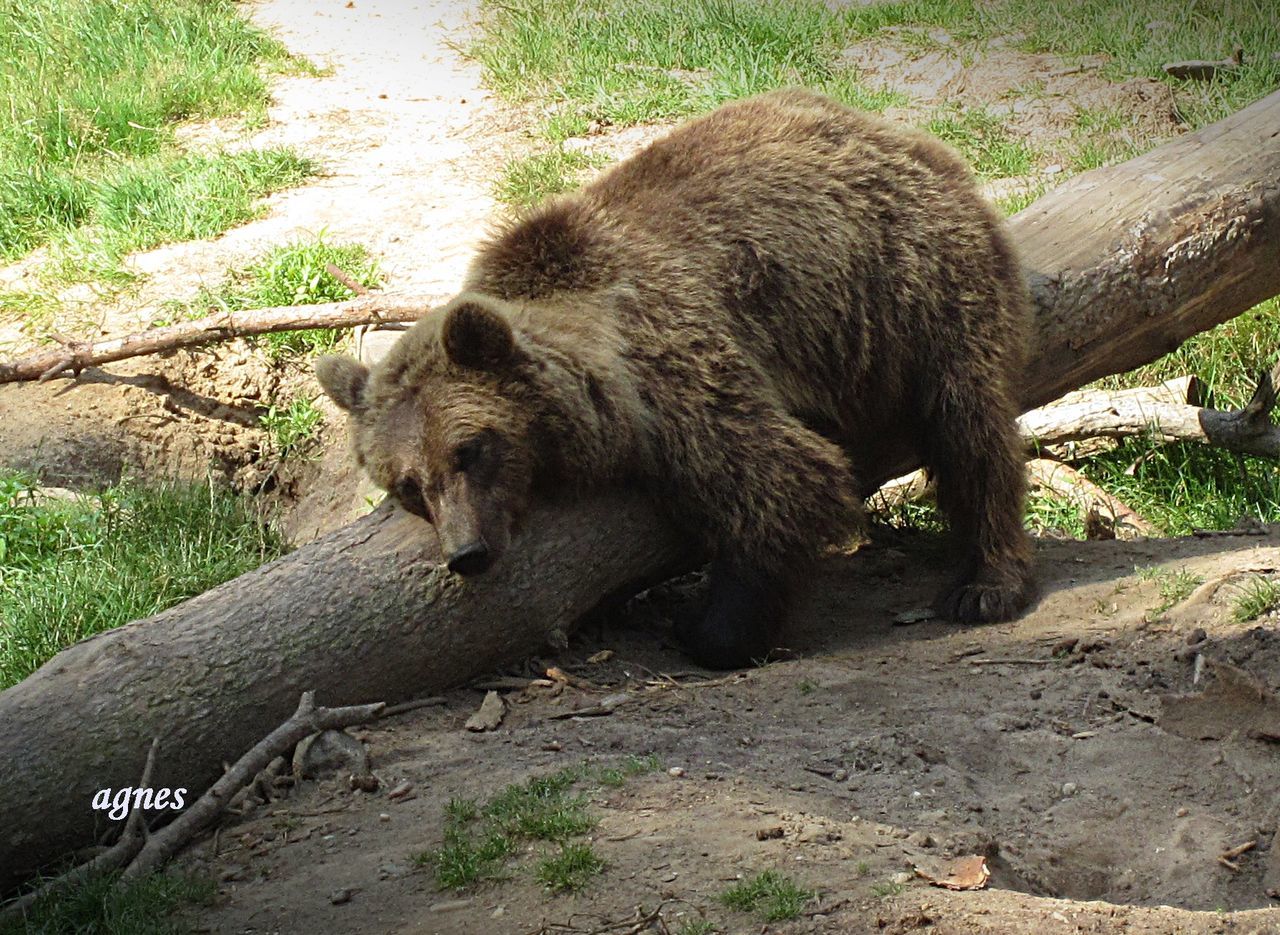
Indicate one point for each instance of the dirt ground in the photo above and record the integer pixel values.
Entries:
(1101, 754)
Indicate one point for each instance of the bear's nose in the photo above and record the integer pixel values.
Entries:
(470, 559)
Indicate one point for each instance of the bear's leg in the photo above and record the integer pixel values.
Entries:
(975, 453)
(768, 492)
(741, 624)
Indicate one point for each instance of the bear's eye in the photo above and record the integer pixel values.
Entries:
(467, 455)
(409, 492)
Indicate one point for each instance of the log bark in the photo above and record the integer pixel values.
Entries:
(1125, 263)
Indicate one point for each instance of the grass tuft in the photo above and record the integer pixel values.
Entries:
(569, 870)
(70, 569)
(290, 274)
(1257, 597)
(985, 142)
(528, 180)
(142, 907)
(768, 894)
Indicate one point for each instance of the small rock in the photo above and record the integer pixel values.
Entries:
(327, 752)
(552, 746)
(915, 615)
(342, 896)
(498, 913)
(902, 878)
(401, 790)
(384, 817)
(603, 656)
(770, 833)
(676, 771)
(840, 775)
(1196, 636)
(1182, 812)
(1069, 788)
(920, 839)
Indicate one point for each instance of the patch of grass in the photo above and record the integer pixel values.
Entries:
(143, 907)
(625, 63)
(887, 889)
(769, 895)
(614, 776)
(1021, 200)
(1138, 37)
(1257, 597)
(865, 20)
(292, 426)
(70, 569)
(569, 870)
(696, 927)
(92, 91)
(143, 203)
(478, 838)
(1052, 514)
(1174, 586)
(984, 140)
(528, 180)
(290, 274)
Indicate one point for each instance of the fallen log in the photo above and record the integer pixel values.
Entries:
(1125, 263)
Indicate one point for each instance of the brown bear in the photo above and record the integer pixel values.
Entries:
(749, 315)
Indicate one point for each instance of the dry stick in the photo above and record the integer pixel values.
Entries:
(114, 857)
(346, 279)
(1068, 484)
(365, 310)
(307, 720)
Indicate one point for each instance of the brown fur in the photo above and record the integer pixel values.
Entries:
(746, 316)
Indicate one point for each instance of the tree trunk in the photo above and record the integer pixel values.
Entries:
(1125, 263)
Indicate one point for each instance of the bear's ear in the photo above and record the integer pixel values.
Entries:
(477, 337)
(344, 379)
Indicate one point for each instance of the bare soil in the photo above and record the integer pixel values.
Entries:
(1101, 754)
(1074, 749)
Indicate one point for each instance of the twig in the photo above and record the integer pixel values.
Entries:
(405, 706)
(346, 279)
(1239, 849)
(1011, 662)
(307, 720)
(1233, 867)
(114, 857)
(76, 355)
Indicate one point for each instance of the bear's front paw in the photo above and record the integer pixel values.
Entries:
(987, 601)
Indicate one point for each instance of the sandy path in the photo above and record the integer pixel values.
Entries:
(407, 138)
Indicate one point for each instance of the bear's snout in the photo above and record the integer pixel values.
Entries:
(471, 559)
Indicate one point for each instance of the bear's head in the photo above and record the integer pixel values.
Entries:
(443, 423)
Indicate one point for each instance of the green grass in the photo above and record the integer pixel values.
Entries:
(1174, 586)
(479, 838)
(143, 907)
(1257, 596)
(70, 569)
(985, 141)
(142, 203)
(290, 274)
(570, 869)
(770, 895)
(625, 63)
(293, 426)
(696, 927)
(529, 179)
(93, 89)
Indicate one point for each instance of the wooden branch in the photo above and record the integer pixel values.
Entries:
(1139, 413)
(307, 720)
(1068, 484)
(77, 355)
(1125, 263)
